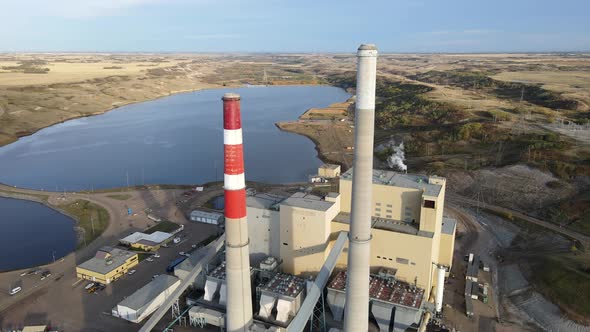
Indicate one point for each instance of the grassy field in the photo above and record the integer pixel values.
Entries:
(566, 281)
(163, 226)
(120, 197)
(92, 219)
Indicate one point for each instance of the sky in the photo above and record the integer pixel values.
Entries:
(294, 26)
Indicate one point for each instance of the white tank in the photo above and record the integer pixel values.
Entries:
(440, 287)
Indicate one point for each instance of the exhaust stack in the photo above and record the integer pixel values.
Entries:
(239, 293)
(356, 317)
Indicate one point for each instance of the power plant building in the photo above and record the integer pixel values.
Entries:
(410, 236)
(399, 248)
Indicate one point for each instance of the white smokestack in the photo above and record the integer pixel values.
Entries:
(356, 317)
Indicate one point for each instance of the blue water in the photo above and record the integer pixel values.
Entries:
(32, 234)
(172, 140)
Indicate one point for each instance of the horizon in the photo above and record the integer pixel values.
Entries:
(273, 26)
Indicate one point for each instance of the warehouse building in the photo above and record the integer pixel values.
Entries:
(147, 299)
(107, 265)
(206, 217)
(147, 242)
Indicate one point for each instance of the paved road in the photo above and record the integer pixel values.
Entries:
(583, 239)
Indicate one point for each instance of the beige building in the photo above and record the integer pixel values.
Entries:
(107, 265)
(410, 234)
(329, 171)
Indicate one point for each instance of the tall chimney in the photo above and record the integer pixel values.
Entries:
(356, 317)
(239, 294)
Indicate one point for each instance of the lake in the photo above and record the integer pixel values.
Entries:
(172, 140)
(32, 234)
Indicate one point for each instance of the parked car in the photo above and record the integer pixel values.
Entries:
(131, 272)
(194, 246)
(15, 290)
(157, 255)
(181, 253)
(100, 287)
(155, 276)
(176, 240)
(45, 274)
(150, 259)
(90, 285)
(92, 289)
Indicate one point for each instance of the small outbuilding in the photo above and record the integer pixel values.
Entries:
(329, 171)
(147, 299)
(206, 217)
(147, 242)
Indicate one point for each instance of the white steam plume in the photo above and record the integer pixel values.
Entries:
(397, 159)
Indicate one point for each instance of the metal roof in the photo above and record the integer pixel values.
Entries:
(403, 180)
(382, 223)
(102, 266)
(155, 237)
(382, 289)
(264, 201)
(283, 284)
(147, 293)
(330, 166)
(307, 201)
(448, 225)
(206, 214)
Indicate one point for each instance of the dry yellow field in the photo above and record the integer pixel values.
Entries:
(65, 72)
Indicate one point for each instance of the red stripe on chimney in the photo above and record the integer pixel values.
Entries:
(233, 157)
(231, 114)
(235, 203)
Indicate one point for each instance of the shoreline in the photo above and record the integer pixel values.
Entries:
(341, 125)
(35, 199)
(20, 135)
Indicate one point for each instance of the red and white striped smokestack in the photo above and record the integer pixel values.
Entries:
(239, 294)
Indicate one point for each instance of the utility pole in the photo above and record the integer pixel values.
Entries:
(92, 224)
(127, 179)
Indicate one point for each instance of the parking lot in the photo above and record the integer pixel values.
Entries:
(67, 304)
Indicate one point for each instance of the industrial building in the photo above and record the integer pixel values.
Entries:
(329, 171)
(283, 294)
(410, 236)
(391, 298)
(383, 231)
(206, 217)
(107, 265)
(147, 299)
(147, 242)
